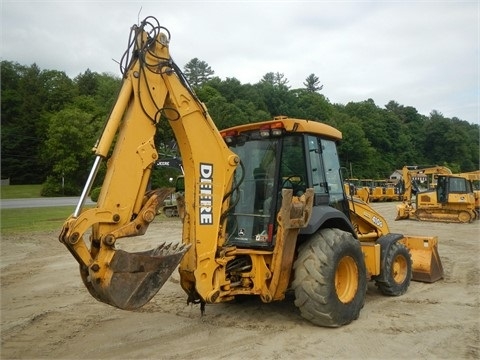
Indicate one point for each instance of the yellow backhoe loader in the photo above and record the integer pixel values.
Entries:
(264, 209)
(450, 199)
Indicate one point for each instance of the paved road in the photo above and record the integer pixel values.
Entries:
(41, 202)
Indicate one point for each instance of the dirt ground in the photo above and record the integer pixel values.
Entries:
(47, 313)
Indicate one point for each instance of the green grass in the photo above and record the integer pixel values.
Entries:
(20, 191)
(14, 221)
(20, 221)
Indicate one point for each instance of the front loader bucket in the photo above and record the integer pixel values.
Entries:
(403, 211)
(134, 278)
(426, 263)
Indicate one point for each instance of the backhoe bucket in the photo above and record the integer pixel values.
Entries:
(426, 263)
(135, 277)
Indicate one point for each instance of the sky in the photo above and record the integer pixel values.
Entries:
(423, 54)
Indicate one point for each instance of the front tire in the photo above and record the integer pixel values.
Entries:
(397, 272)
(330, 278)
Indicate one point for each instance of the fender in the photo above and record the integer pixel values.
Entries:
(326, 216)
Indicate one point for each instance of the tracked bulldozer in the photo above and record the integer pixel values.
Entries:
(474, 178)
(264, 209)
(450, 199)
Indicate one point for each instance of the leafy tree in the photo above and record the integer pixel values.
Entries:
(106, 92)
(198, 72)
(373, 123)
(60, 89)
(87, 83)
(311, 106)
(22, 109)
(275, 79)
(232, 90)
(50, 122)
(71, 133)
(473, 142)
(355, 151)
(207, 92)
(275, 94)
(406, 114)
(409, 149)
(224, 113)
(312, 83)
(449, 140)
(250, 112)
(268, 79)
(10, 110)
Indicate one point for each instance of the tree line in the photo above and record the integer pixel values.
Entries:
(50, 123)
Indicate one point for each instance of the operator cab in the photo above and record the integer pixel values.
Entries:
(447, 185)
(273, 159)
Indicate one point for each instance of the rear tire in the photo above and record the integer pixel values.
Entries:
(330, 278)
(397, 272)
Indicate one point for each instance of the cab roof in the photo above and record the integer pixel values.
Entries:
(291, 125)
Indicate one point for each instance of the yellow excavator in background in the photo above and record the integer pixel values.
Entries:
(353, 187)
(170, 208)
(264, 210)
(392, 192)
(449, 199)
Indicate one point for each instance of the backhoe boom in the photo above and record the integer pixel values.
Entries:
(153, 89)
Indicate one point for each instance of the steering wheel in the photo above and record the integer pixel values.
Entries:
(296, 183)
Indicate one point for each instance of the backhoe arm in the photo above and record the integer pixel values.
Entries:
(153, 89)
(406, 209)
(409, 172)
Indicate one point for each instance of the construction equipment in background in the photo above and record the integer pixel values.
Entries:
(363, 193)
(451, 199)
(474, 178)
(350, 186)
(353, 187)
(171, 207)
(378, 191)
(264, 209)
(392, 191)
(366, 183)
(373, 190)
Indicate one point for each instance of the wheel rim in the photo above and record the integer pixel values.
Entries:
(399, 269)
(346, 279)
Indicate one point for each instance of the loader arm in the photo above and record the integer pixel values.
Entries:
(153, 90)
(372, 228)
